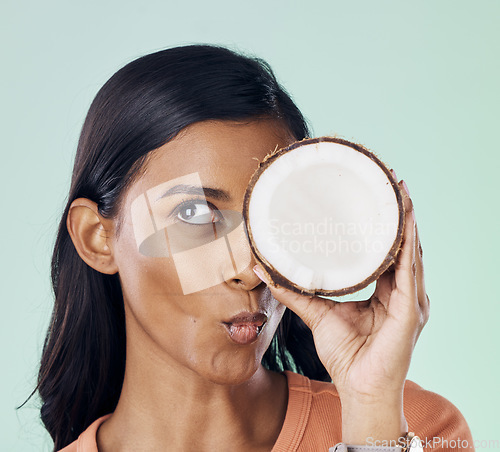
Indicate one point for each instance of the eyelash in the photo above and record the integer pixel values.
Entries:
(185, 202)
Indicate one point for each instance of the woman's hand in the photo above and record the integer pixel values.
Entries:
(366, 346)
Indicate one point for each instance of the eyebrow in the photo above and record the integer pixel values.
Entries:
(215, 193)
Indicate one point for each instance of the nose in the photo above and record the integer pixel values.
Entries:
(246, 279)
(242, 275)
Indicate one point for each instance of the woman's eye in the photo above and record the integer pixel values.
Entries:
(197, 213)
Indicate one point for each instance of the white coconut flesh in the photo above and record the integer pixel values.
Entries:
(325, 217)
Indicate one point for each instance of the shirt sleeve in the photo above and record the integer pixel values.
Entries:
(436, 421)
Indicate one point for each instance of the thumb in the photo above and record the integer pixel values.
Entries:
(311, 309)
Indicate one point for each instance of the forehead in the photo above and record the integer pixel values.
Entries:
(223, 153)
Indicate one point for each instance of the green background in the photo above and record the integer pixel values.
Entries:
(417, 82)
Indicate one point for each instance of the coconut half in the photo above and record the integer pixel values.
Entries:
(324, 216)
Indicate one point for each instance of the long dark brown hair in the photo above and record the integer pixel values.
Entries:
(141, 107)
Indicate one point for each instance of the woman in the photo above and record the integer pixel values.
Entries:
(136, 361)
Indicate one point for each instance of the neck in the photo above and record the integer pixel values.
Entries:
(163, 403)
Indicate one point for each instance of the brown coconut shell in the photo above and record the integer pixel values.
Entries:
(279, 279)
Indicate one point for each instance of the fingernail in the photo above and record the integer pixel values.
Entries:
(394, 174)
(406, 187)
(259, 273)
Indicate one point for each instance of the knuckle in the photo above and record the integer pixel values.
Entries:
(425, 309)
(425, 316)
(413, 317)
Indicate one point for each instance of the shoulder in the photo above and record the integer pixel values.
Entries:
(434, 418)
(313, 413)
(431, 416)
(87, 441)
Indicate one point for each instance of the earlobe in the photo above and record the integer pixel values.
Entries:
(91, 235)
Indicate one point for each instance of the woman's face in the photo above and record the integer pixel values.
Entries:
(183, 259)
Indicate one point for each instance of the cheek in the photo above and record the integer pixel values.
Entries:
(160, 318)
(150, 287)
(158, 314)
(147, 286)
(143, 276)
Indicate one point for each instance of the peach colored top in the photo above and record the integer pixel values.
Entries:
(313, 419)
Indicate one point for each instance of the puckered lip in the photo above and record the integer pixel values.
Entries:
(247, 318)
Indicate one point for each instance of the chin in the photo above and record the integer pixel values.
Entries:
(233, 370)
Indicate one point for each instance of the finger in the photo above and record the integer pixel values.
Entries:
(384, 287)
(423, 299)
(405, 268)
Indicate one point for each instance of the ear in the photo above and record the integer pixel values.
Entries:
(92, 235)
